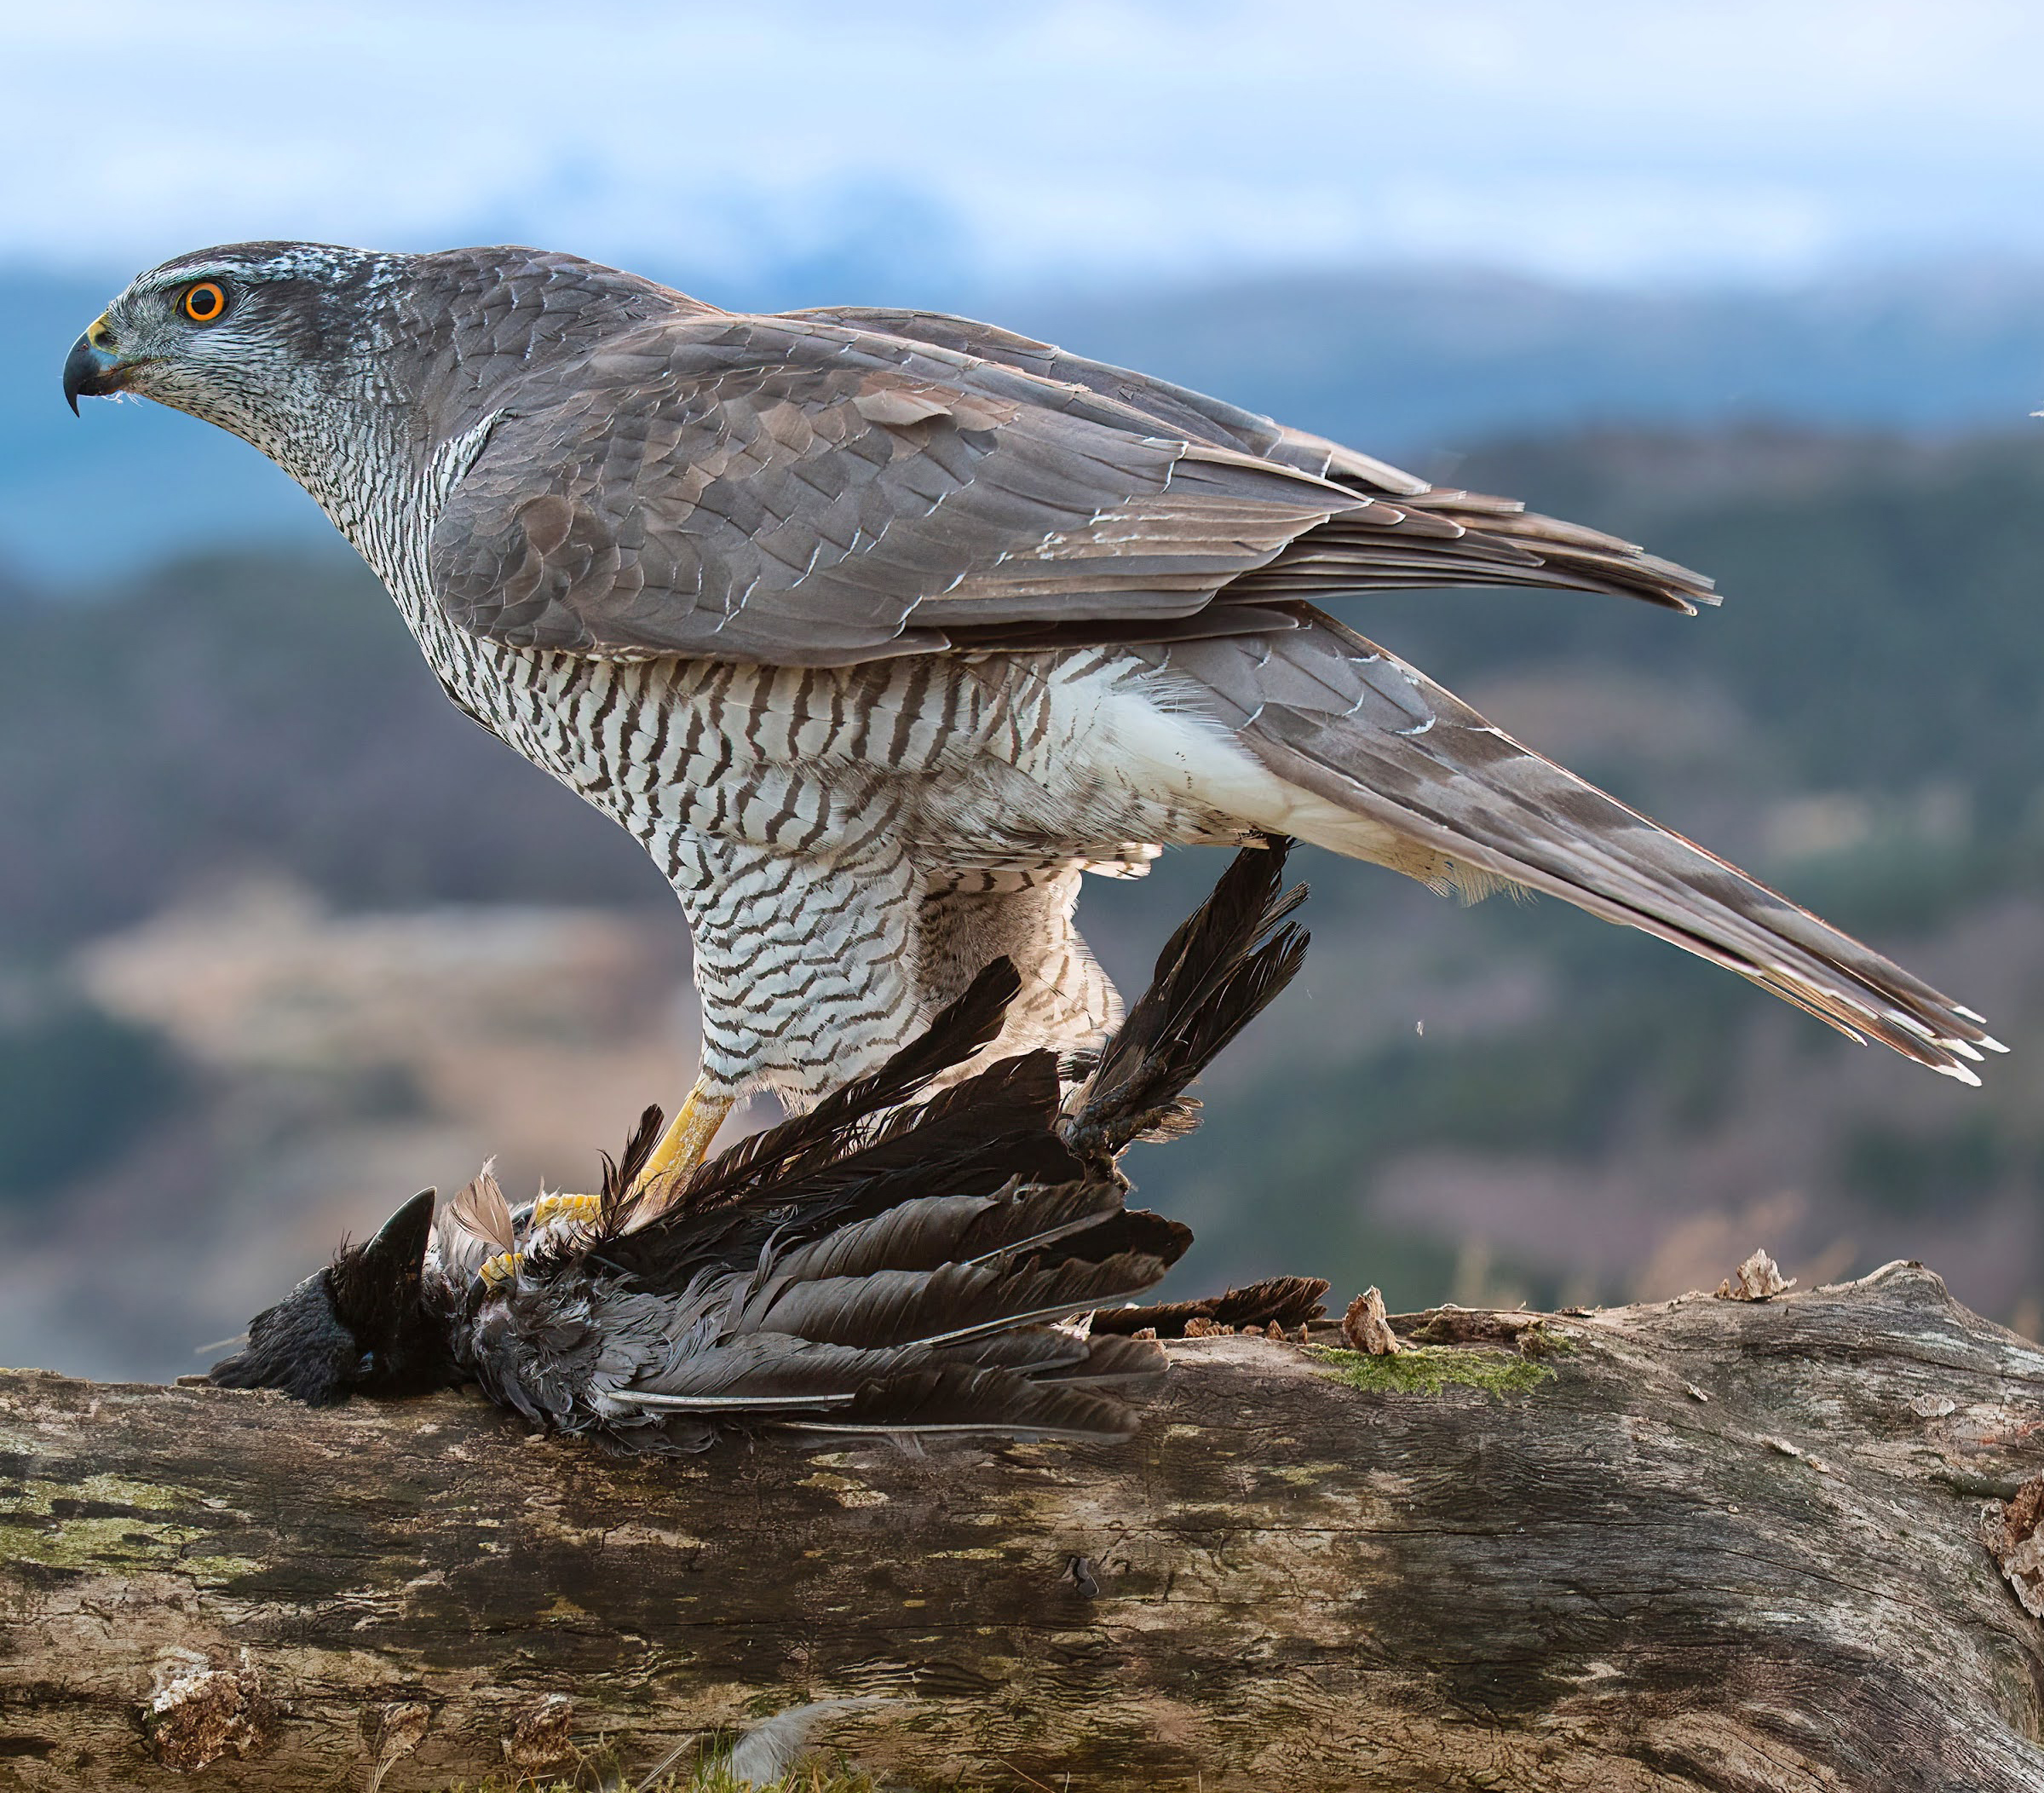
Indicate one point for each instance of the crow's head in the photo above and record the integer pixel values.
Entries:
(359, 1326)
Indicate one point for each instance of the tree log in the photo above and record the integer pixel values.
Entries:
(1712, 1544)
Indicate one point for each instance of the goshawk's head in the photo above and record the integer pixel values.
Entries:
(359, 1326)
(291, 345)
(246, 336)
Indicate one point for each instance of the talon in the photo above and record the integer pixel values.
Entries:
(549, 1209)
(502, 1268)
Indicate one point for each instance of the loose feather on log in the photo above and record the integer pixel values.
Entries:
(1285, 1302)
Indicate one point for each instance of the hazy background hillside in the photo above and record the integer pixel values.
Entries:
(283, 937)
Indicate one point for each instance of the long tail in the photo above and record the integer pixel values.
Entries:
(1381, 763)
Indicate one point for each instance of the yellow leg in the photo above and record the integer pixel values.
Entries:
(687, 1140)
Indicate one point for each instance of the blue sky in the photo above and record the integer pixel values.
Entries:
(1653, 142)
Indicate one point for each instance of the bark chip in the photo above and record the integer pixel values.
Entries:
(1367, 1328)
(199, 1713)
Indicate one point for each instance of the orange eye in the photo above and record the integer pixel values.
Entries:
(203, 302)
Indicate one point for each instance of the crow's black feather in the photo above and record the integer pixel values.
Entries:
(959, 1030)
(896, 1260)
(1215, 975)
(978, 1403)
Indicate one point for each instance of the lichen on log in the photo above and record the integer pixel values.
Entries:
(1703, 1544)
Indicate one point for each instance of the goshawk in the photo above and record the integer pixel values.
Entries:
(878, 628)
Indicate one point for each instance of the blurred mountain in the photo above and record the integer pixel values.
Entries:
(447, 955)
(1408, 365)
(1417, 364)
(323, 1060)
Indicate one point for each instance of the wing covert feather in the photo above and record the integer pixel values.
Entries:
(795, 491)
(809, 502)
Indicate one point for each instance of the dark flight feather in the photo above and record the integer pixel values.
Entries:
(621, 1175)
(966, 1401)
(933, 1231)
(1215, 975)
(990, 1129)
(941, 1306)
(960, 1030)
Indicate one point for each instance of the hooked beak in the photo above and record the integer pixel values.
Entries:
(93, 369)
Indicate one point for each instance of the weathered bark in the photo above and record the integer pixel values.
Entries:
(1709, 1544)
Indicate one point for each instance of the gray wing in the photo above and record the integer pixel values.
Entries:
(1567, 554)
(798, 492)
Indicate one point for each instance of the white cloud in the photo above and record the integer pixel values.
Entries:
(1603, 139)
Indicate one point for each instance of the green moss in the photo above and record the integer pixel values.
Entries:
(106, 1524)
(124, 1491)
(1543, 1341)
(1428, 1369)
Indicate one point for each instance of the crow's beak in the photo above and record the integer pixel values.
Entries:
(93, 368)
(399, 1249)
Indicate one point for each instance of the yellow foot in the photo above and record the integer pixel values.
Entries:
(687, 1140)
(549, 1208)
(502, 1268)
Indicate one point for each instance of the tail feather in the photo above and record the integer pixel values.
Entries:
(1285, 1302)
(1032, 1350)
(1215, 975)
(1136, 1229)
(980, 1386)
(1126, 1365)
(1047, 1354)
(1432, 787)
(763, 1369)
